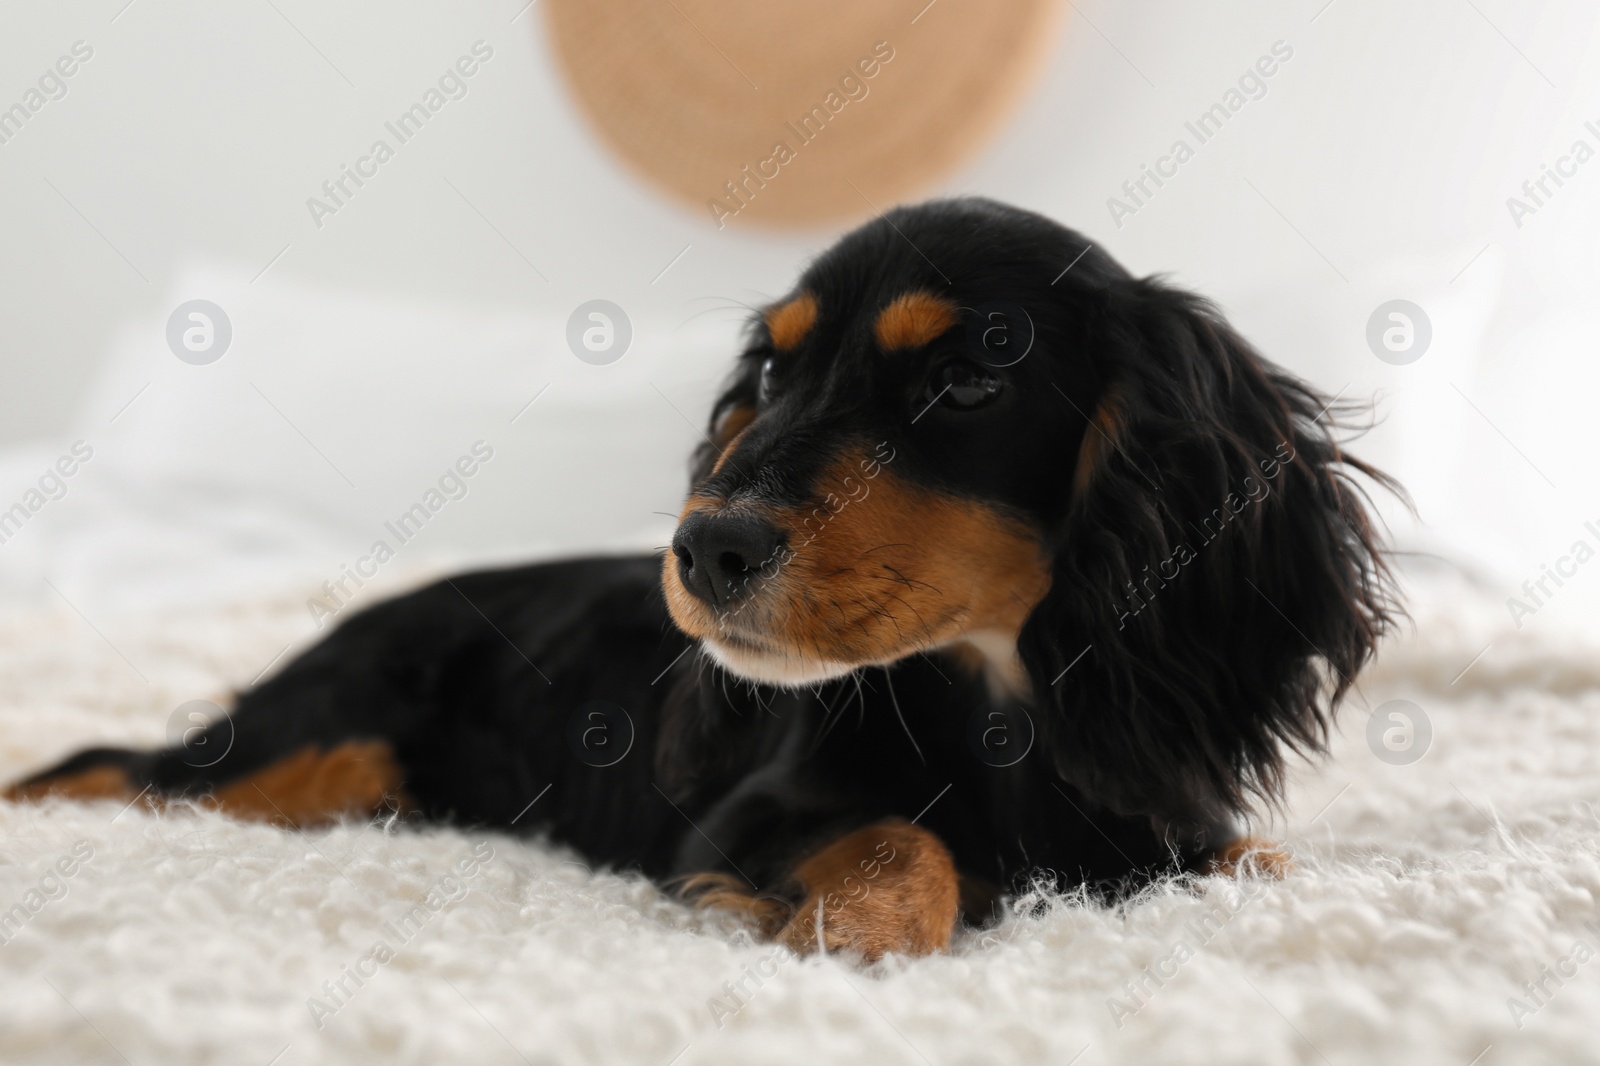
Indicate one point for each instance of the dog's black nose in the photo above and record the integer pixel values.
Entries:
(719, 555)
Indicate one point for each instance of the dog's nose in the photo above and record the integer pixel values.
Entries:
(719, 554)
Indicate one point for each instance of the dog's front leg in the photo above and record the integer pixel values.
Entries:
(888, 887)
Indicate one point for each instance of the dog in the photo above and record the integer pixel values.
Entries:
(1000, 565)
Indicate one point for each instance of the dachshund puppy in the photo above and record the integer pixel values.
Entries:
(999, 564)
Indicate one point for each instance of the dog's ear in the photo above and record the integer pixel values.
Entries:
(1218, 563)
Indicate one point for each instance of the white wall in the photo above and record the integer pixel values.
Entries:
(1377, 166)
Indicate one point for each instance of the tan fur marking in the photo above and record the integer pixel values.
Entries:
(102, 782)
(314, 787)
(1104, 431)
(912, 320)
(729, 448)
(890, 887)
(734, 421)
(1256, 855)
(880, 568)
(789, 323)
(729, 893)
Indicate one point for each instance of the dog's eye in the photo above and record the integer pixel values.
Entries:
(963, 385)
(769, 379)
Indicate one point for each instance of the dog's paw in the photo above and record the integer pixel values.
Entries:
(888, 888)
(1251, 855)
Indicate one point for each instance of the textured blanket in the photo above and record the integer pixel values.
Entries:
(1443, 908)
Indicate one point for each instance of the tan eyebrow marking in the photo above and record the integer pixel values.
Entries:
(789, 323)
(912, 320)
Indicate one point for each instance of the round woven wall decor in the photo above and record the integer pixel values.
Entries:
(797, 113)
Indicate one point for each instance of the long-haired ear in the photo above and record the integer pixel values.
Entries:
(1219, 571)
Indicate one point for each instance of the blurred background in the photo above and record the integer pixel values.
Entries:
(357, 339)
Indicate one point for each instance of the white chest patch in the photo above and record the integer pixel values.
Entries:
(1002, 667)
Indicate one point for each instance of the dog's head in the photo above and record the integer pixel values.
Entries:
(967, 428)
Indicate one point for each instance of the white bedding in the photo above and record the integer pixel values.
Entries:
(1425, 895)
(219, 499)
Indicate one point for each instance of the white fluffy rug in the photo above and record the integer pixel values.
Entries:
(1426, 896)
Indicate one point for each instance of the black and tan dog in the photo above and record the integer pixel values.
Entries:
(999, 563)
